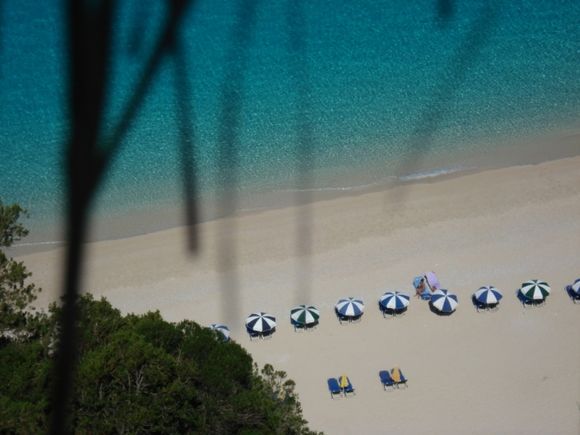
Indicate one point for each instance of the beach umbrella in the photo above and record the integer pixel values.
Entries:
(395, 301)
(260, 322)
(444, 301)
(535, 290)
(488, 295)
(350, 307)
(222, 329)
(576, 286)
(305, 315)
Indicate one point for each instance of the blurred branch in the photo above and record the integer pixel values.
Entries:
(90, 35)
(298, 63)
(228, 154)
(186, 118)
(445, 10)
(463, 59)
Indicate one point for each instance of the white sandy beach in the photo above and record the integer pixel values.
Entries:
(513, 371)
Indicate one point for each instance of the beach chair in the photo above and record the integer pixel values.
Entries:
(345, 385)
(348, 319)
(386, 379)
(340, 317)
(529, 302)
(398, 377)
(353, 319)
(333, 387)
(478, 305)
(573, 295)
(253, 334)
(303, 327)
(390, 312)
(267, 334)
(297, 326)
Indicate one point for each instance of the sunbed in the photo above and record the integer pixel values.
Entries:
(386, 379)
(253, 334)
(349, 319)
(333, 387)
(398, 377)
(480, 305)
(527, 302)
(346, 385)
(573, 295)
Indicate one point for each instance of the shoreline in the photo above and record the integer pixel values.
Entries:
(564, 144)
(500, 227)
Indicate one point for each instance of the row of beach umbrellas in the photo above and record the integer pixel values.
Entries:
(350, 308)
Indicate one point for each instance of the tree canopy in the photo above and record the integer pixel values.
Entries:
(139, 373)
(16, 293)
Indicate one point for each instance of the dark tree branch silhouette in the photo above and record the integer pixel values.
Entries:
(298, 63)
(228, 154)
(186, 119)
(90, 35)
(445, 10)
(464, 58)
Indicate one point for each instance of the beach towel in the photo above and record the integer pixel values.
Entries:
(396, 375)
(432, 281)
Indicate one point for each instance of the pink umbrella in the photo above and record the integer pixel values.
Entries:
(432, 280)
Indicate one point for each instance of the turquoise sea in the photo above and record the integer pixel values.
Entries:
(289, 96)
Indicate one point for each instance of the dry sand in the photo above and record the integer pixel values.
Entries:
(513, 371)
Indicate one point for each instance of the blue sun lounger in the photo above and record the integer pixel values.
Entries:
(386, 379)
(333, 387)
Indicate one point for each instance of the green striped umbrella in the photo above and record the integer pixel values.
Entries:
(305, 315)
(535, 290)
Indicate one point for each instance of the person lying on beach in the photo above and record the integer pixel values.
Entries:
(420, 284)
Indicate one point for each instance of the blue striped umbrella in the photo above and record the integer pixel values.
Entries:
(444, 301)
(395, 301)
(260, 322)
(488, 295)
(222, 329)
(350, 307)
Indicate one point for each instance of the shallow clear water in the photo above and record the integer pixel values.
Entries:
(372, 92)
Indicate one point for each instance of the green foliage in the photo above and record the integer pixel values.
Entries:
(118, 383)
(24, 374)
(141, 374)
(16, 294)
(10, 229)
